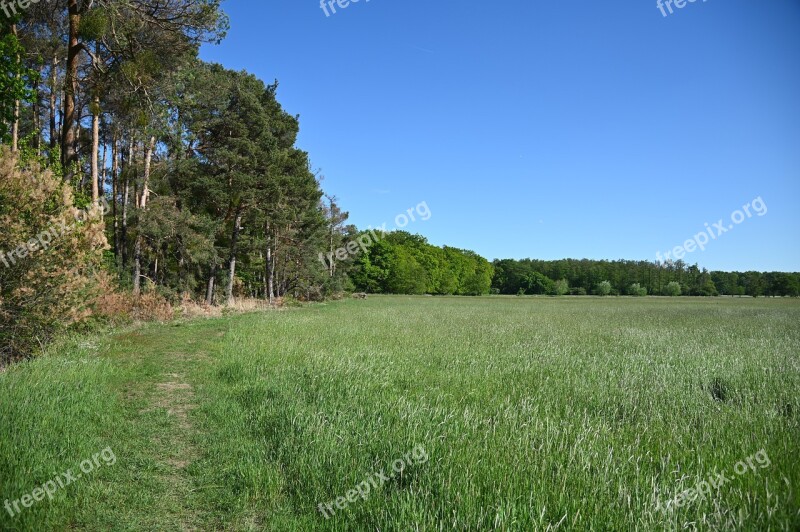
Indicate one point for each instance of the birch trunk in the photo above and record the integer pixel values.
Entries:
(237, 226)
(137, 266)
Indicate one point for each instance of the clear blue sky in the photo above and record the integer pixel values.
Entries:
(546, 129)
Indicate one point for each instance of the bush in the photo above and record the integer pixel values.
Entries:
(52, 253)
(603, 289)
(580, 291)
(535, 283)
(637, 290)
(560, 288)
(707, 289)
(673, 289)
(114, 306)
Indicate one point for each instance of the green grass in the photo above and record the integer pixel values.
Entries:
(533, 412)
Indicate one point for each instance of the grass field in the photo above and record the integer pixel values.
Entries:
(503, 413)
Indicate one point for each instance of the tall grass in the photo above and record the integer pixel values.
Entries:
(535, 413)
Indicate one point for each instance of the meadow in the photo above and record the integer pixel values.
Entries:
(503, 413)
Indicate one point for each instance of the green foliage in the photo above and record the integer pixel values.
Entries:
(14, 80)
(407, 274)
(511, 276)
(168, 231)
(95, 23)
(535, 283)
(637, 290)
(561, 287)
(673, 289)
(708, 288)
(603, 289)
(402, 263)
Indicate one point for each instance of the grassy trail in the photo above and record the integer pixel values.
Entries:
(175, 357)
(136, 395)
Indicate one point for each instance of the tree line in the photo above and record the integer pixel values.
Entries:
(191, 172)
(402, 263)
(626, 277)
(209, 195)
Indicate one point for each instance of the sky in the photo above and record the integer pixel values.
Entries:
(547, 129)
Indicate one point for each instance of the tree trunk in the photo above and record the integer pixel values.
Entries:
(103, 172)
(114, 173)
(332, 258)
(37, 112)
(15, 125)
(270, 269)
(128, 168)
(69, 153)
(96, 150)
(237, 226)
(15, 128)
(53, 104)
(148, 159)
(210, 287)
(137, 267)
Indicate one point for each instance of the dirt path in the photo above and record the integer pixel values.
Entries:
(175, 450)
(162, 406)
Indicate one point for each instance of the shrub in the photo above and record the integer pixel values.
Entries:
(673, 289)
(708, 288)
(535, 283)
(637, 290)
(51, 255)
(120, 306)
(560, 288)
(603, 289)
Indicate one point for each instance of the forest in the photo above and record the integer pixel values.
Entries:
(178, 180)
(636, 278)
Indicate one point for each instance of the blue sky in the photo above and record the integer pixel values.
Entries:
(546, 129)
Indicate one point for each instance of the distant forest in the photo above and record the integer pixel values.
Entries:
(406, 264)
(627, 277)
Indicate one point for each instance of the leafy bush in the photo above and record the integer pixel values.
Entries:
(51, 255)
(603, 289)
(560, 288)
(707, 288)
(637, 290)
(534, 283)
(673, 289)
